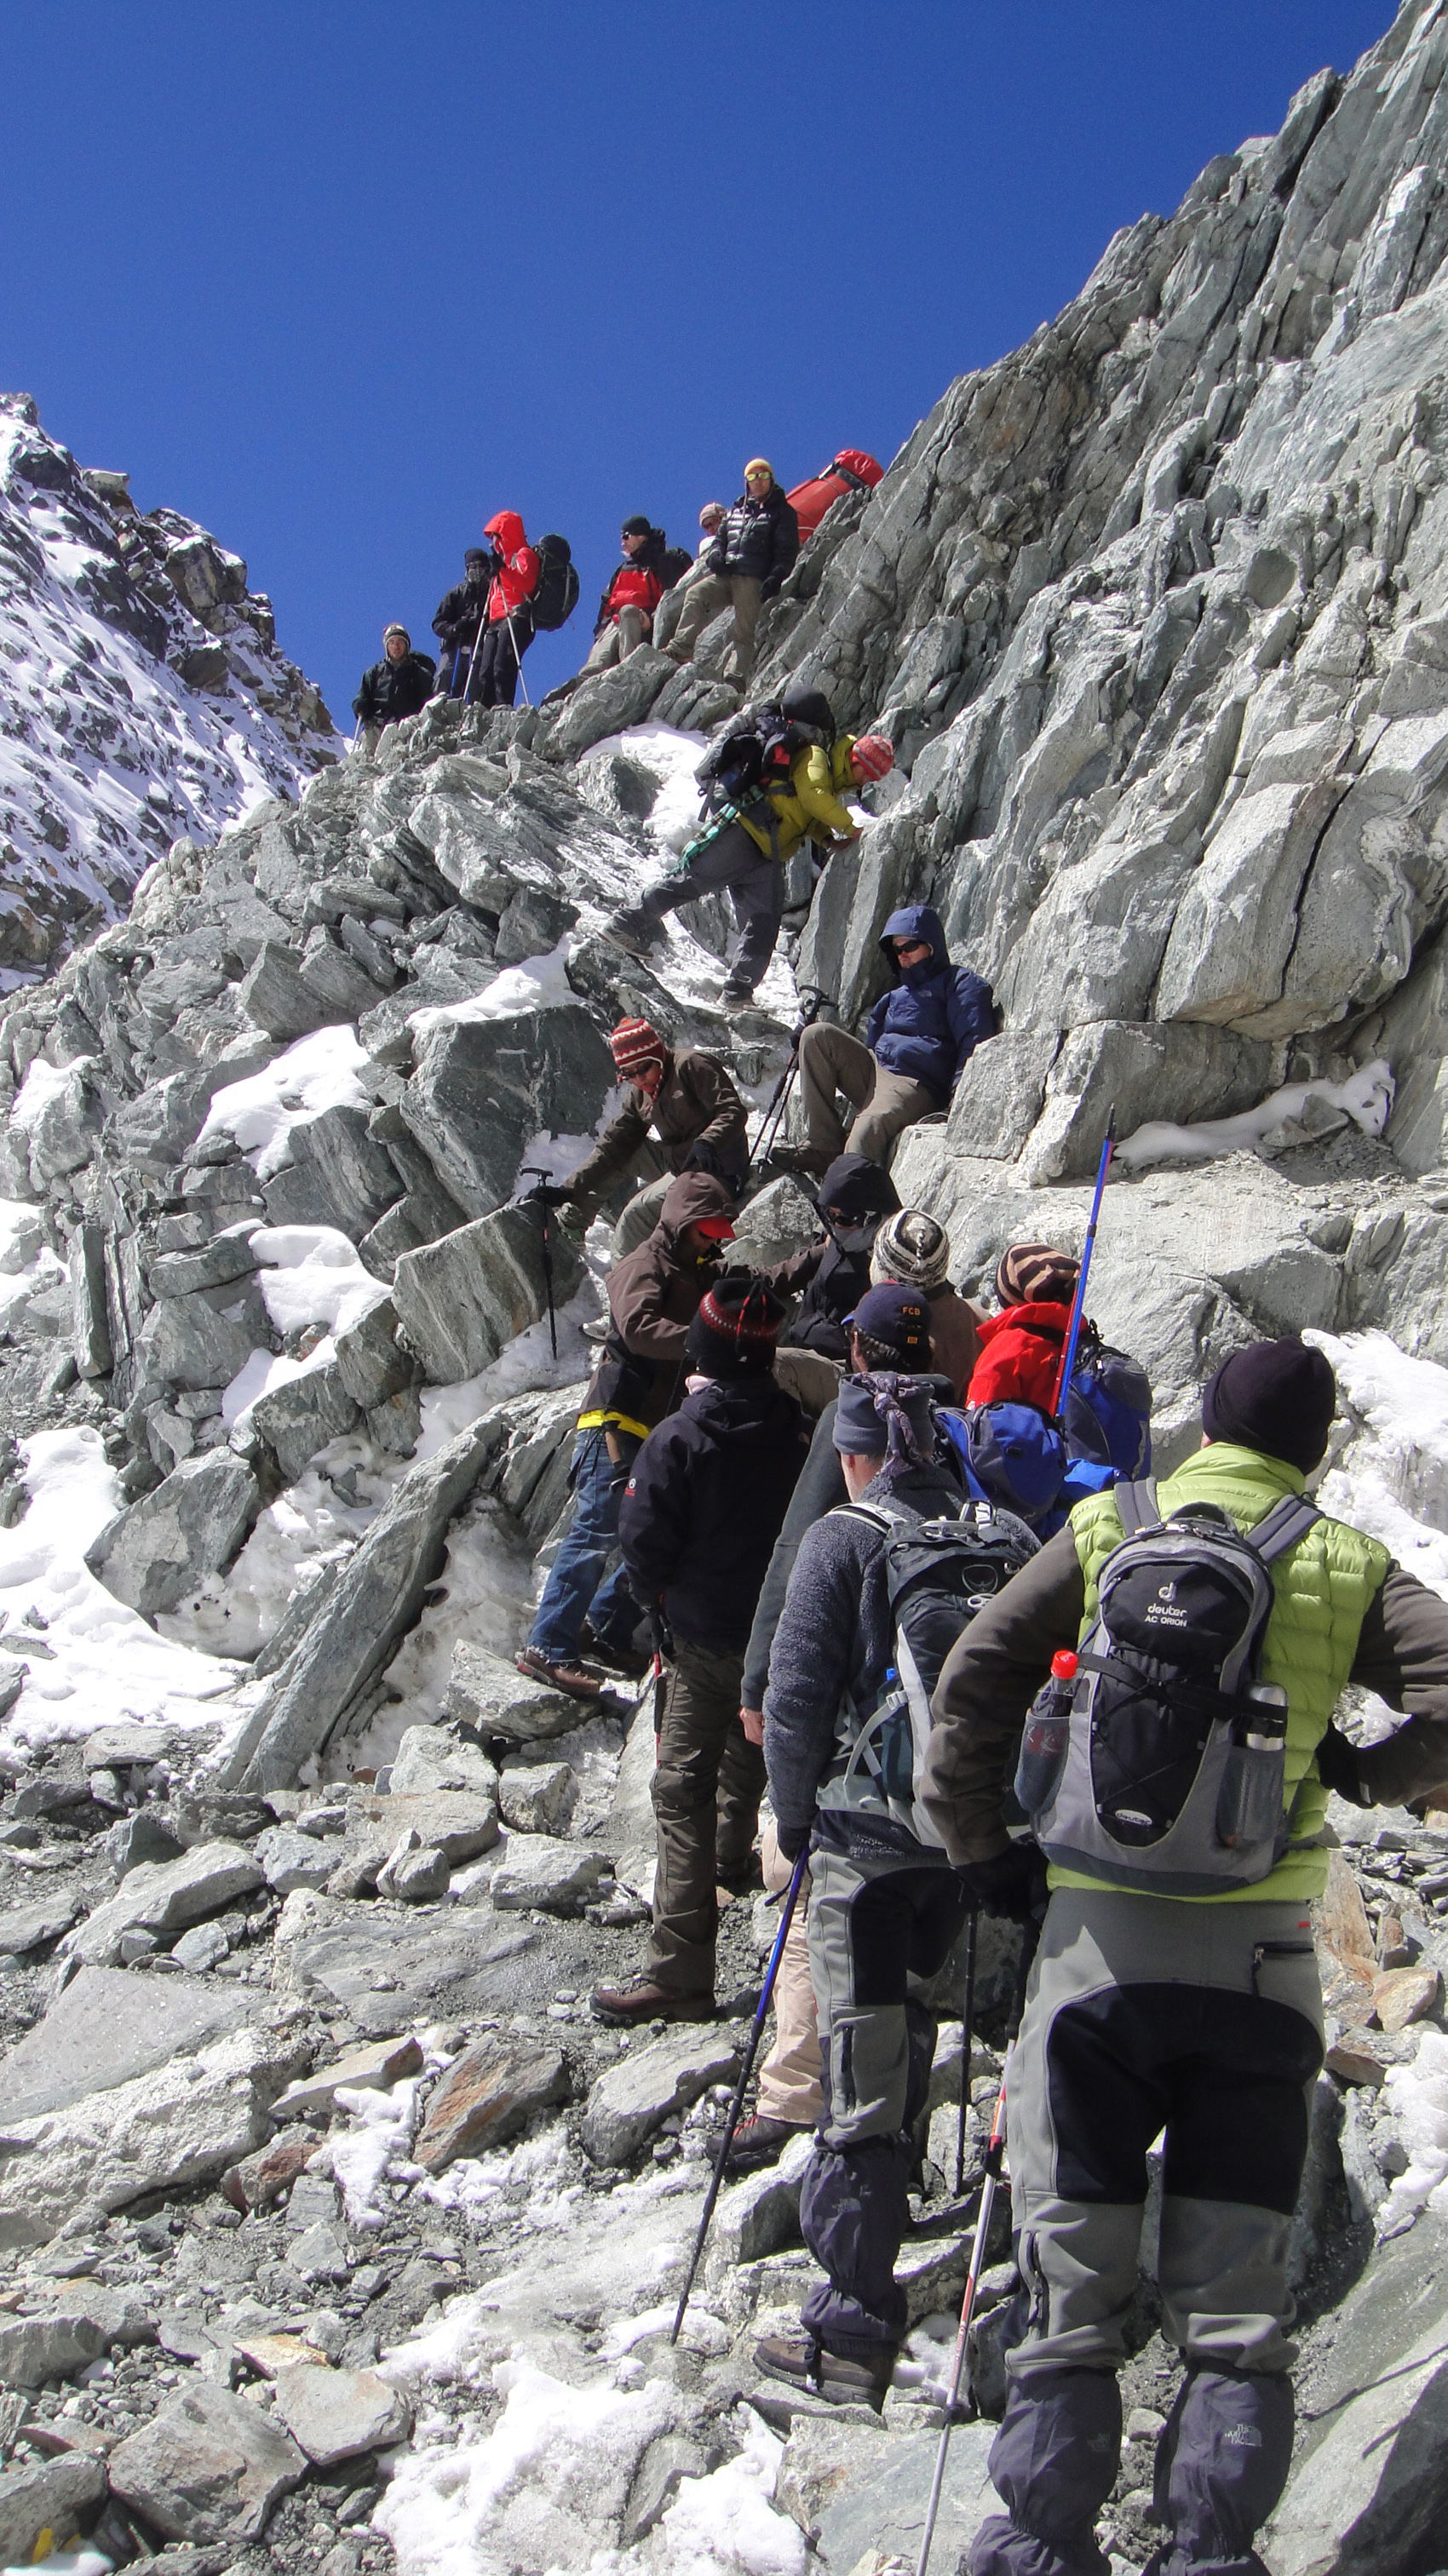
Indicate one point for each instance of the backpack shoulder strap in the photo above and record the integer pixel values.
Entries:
(1138, 1505)
(1285, 1524)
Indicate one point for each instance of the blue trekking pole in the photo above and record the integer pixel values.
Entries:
(1068, 1356)
(745, 2071)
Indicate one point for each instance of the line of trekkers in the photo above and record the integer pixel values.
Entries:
(901, 1564)
(512, 591)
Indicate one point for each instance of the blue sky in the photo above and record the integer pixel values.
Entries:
(340, 280)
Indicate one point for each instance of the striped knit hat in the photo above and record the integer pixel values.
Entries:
(736, 1330)
(635, 1043)
(912, 1248)
(1030, 1274)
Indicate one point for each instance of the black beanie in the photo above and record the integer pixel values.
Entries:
(736, 1330)
(637, 526)
(1275, 1396)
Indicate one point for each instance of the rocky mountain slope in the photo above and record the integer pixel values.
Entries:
(144, 694)
(308, 2139)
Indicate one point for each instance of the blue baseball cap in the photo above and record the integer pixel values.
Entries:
(900, 1318)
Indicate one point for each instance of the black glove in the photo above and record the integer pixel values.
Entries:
(1337, 1768)
(1013, 1885)
(793, 1839)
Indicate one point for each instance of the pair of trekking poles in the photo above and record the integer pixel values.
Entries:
(517, 662)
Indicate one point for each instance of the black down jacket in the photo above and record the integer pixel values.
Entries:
(705, 1504)
(392, 690)
(760, 538)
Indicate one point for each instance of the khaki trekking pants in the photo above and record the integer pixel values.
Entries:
(707, 1784)
(789, 2080)
(713, 591)
(830, 1060)
(628, 631)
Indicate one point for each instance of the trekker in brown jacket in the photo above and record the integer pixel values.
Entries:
(653, 1297)
(698, 1124)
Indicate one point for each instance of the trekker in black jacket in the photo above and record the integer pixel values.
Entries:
(458, 619)
(855, 1197)
(397, 686)
(698, 1521)
(747, 562)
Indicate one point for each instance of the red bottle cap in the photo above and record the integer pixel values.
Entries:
(1063, 1665)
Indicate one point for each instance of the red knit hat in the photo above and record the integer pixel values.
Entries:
(635, 1043)
(872, 757)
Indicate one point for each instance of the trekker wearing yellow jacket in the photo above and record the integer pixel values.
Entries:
(748, 851)
(1196, 2010)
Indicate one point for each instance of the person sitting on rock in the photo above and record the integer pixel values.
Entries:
(397, 686)
(855, 1198)
(748, 852)
(914, 1250)
(1198, 2014)
(460, 615)
(653, 1298)
(751, 553)
(686, 1101)
(671, 606)
(626, 610)
(1022, 1347)
(919, 1037)
(509, 629)
(699, 1517)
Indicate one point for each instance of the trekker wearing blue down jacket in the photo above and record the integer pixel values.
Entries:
(918, 1037)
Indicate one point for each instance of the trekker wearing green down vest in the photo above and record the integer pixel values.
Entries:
(1201, 2013)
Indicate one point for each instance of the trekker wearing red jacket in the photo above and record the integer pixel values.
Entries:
(509, 630)
(1021, 1347)
(626, 610)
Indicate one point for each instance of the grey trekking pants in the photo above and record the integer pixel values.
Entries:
(1143, 2015)
(755, 882)
(623, 636)
(875, 1922)
(703, 601)
(830, 1061)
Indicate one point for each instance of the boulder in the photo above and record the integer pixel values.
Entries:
(557, 1877)
(1177, 1072)
(776, 1223)
(493, 1696)
(301, 1416)
(164, 1896)
(373, 1602)
(29, 1927)
(275, 997)
(193, 1524)
(78, 2330)
(334, 2414)
(460, 1300)
(227, 1256)
(294, 1860)
(633, 2097)
(360, 2070)
(105, 2029)
(398, 1969)
(414, 1871)
(371, 1362)
(858, 2494)
(536, 1797)
(487, 2095)
(459, 1823)
(431, 1757)
(57, 2497)
(334, 1174)
(208, 2467)
(484, 1088)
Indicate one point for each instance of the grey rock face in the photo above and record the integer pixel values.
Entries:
(482, 1088)
(430, 1758)
(536, 1797)
(164, 1896)
(301, 1416)
(208, 2468)
(536, 1869)
(334, 2414)
(191, 1526)
(458, 1301)
(487, 2095)
(497, 1699)
(106, 2029)
(48, 2495)
(631, 2099)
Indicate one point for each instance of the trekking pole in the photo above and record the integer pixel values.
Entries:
(518, 658)
(994, 2164)
(1068, 1356)
(746, 2070)
(811, 1002)
(547, 1196)
(473, 656)
(967, 2027)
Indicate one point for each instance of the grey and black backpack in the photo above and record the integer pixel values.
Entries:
(938, 1573)
(1161, 1765)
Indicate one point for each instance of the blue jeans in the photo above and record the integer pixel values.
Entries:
(575, 1588)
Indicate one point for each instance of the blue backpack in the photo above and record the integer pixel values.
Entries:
(1013, 1458)
(1108, 1411)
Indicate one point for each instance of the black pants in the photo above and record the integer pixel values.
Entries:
(495, 673)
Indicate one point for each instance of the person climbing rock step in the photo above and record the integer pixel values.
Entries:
(684, 1112)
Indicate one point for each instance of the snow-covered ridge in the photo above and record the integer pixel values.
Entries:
(143, 695)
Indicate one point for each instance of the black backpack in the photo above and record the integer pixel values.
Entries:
(938, 1573)
(760, 753)
(555, 593)
(672, 565)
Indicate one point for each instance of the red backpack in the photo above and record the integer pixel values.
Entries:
(851, 471)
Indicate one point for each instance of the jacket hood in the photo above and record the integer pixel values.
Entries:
(1045, 1317)
(751, 1411)
(694, 1195)
(506, 530)
(858, 1188)
(915, 921)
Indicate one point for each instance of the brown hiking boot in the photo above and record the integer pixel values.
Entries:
(810, 1160)
(642, 1999)
(558, 1676)
(826, 2374)
(757, 2142)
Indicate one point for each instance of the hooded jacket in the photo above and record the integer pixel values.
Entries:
(758, 539)
(653, 1297)
(1020, 1355)
(809, 809)
(936, 1015)
(706, 1502)
(835, 1277)
(392, 690)
(697, 1116)
(460, 612)
(515, 566)
(640, 582)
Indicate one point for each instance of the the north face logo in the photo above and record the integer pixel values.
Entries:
(1243, 2437)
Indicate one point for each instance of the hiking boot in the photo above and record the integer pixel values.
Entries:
(806, 2363)
(619, 934)
(757, 2142)
(642, 1999)
(736, 997)
(619, 1659)
(558, 1675)
(739, 1877)
(810, 1160)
